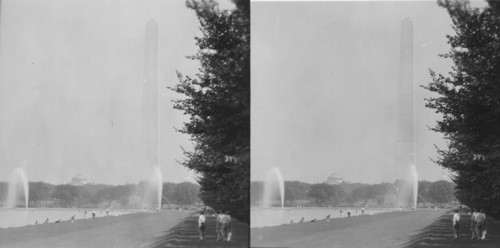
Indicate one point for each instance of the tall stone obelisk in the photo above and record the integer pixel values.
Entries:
(150, 120)
(405, 133)
(150, 94)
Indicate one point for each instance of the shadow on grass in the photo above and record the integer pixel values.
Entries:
(440, 234)
(185, 234)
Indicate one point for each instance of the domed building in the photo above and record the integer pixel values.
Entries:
(78, 180)
(334, 179)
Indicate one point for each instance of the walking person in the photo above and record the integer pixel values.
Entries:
(473, 224)
(202, 225)
(456, 223)
(226, 226)
(218, 226)
(481, 224)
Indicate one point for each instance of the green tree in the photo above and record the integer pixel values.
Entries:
(441, 191)
(257, 192)
(324, 193)
(84, 197)
(121, 191)
(217, 102)
(168, 193)
(66, 193)
(295, 190)
(103, 195)
(186, 193)
(468, 98)
(380, 199)
(39, 191)
(360, 194)
(423, 191)
(3, 190)
(113, 193)
(375, 192)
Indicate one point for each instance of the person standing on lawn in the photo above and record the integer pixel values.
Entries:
(226, 226)
(202, 224)
(456, 223)
(481, 224)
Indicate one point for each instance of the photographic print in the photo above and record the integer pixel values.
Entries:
(374, 124)
(124, 123)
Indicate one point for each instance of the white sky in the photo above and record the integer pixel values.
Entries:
(69, 69)
(324, 88)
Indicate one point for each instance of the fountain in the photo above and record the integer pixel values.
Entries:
(159, 185)
(274, 177)
(414, 182)
(18, 178)
(408, 189)
(151, 190)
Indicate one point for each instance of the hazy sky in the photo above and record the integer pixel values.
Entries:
(324, 80)
(324, 88)
(71, 76)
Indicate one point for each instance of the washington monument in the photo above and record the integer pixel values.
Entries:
(150, 95)
(405, 127)
(150, 120)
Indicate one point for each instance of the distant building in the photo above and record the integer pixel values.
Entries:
(334, 179)
(78, 180)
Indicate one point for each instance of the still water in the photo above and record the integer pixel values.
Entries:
(261, 217)
(15, 217)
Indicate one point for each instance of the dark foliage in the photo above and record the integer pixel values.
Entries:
(95, 195)
(326, 194)
(218, 104)
(469, 102)
(355, 194)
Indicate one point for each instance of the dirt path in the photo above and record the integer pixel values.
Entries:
(186, 235)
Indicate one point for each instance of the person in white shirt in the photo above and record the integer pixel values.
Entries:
(473, 224)
(202, 225)
(226, 226)
(481, 224)
(218, 226)
(456, 223)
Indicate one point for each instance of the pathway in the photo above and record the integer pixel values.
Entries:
(439, 234)
(185, 235)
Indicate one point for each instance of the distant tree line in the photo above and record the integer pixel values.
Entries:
(355, 194)
(101, 195)
(468, 99)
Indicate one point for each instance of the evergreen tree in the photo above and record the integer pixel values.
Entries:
(469, 100)
(218, 104)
